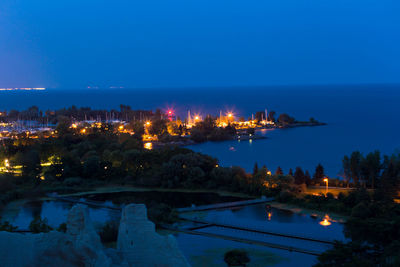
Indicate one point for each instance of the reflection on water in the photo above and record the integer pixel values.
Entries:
(259, 217)
(56, 213)
(325, 221)
(280, 221)
(200, 249)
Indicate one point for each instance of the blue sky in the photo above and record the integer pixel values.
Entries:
(179, 43)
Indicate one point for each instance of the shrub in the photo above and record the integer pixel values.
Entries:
(62, 228)
(236, 257)
(39, 225)
(6, 226)
(109, 232)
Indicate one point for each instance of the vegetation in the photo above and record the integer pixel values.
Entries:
(39, 225)
(109, 232)
(6, 226)
(236, 257)
(374, 224)
(75, 162)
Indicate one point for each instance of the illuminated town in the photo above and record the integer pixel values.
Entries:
(173, 124)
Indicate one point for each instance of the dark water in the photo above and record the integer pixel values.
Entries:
(172, 199)
(56, 211)
(361, 118)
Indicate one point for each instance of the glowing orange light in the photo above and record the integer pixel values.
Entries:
(148, 145)
(230, 115)
(326, 180)
(74, 125)
(148, 123)
(196, 118)
(121, 127)
(83, 131)
(269, 216)
(325, 221)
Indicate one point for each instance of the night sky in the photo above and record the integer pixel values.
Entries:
(178, 43)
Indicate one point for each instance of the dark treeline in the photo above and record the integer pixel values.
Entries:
(374, 222)
(74, 162)
(365, 171)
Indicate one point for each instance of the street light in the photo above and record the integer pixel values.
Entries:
(326, 181)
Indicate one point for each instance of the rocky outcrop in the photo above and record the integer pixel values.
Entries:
(138, 244)
(141, 246)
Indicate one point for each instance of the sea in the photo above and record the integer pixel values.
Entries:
(359, 118)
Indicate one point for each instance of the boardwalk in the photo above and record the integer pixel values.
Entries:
(226, 205)
(206, 224)
(247, 241)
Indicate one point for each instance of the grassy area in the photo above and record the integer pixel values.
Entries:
(322, 189)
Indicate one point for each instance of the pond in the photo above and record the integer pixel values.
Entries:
(201, 250)
(56, 211)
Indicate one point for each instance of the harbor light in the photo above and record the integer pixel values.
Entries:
(148, 123)
(325, 221)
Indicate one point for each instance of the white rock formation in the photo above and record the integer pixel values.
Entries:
(80, 246)
(141, 246)
(138, 244)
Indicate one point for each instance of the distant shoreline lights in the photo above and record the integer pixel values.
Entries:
(23, 89)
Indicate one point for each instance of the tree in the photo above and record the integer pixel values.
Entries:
(346, 169)
(307, 177)
(355, 167)
(138, 128)
(63, 125)
(285, 119)
(371, 168)
(255, 169)
(279, 171)
(158, 127)
(271, 116)
(299, 177)
(319, 173)
(236, 257)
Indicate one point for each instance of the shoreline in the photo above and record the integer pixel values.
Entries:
(299, 210)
